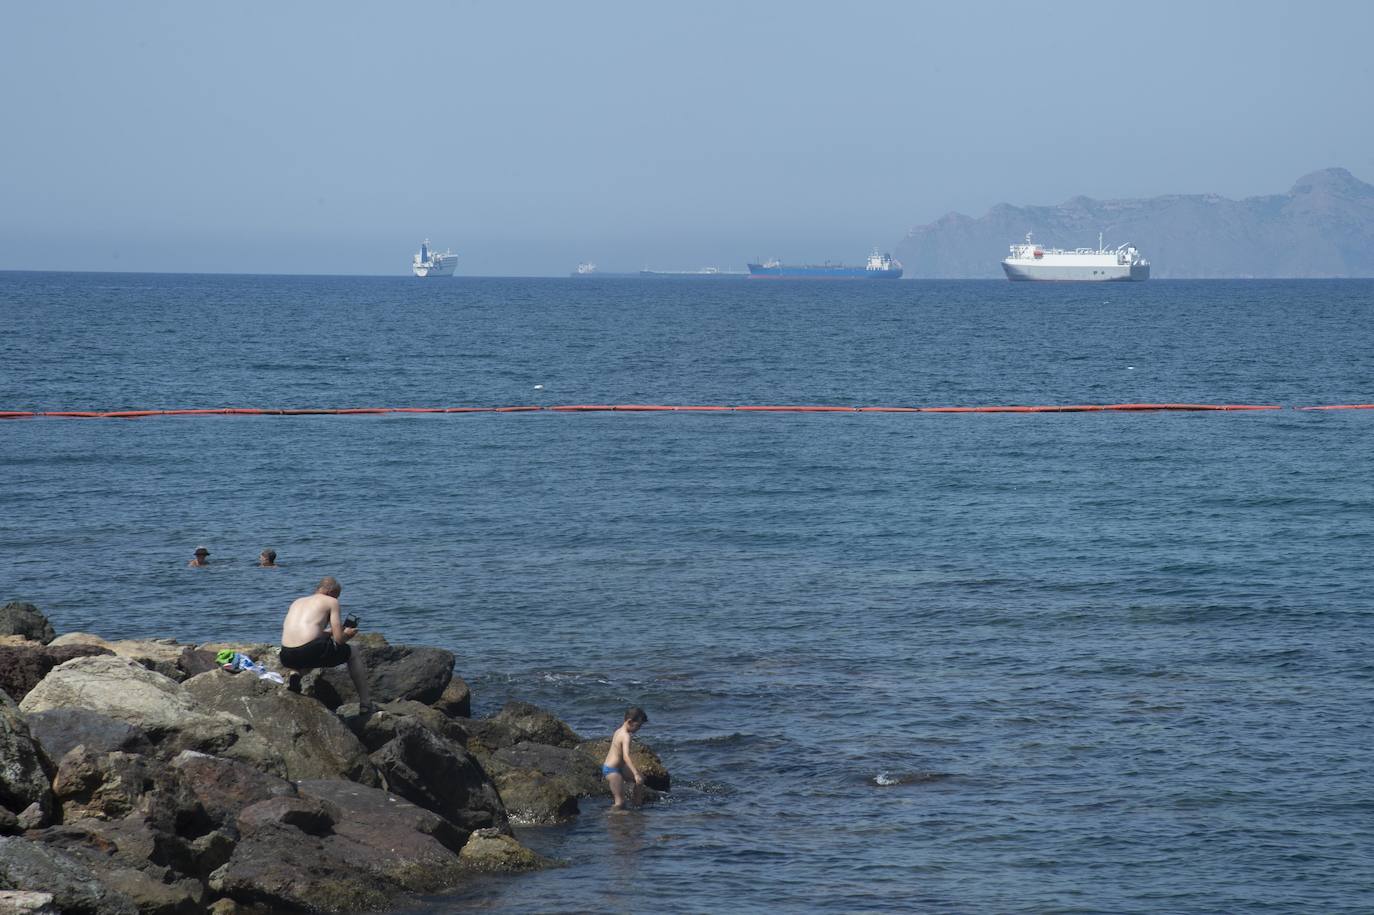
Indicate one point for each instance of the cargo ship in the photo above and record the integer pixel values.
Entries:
(432, 263)
(879, 267)
(1030, 261)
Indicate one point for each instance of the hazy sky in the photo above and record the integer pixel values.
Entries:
(305, 137)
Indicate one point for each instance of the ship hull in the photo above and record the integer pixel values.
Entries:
(1091, 273)
(782, 272)
(444, 268)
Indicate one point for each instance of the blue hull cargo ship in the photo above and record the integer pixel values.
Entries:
(880, 267)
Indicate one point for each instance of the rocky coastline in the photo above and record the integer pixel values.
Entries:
(137, 776)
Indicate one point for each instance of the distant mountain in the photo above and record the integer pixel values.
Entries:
(1323, 227)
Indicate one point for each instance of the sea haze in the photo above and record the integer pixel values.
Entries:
(895, 662)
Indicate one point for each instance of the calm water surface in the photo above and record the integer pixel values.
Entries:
(943, 663)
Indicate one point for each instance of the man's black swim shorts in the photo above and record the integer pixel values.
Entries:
(323, 652)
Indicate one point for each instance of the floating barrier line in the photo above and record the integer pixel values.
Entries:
(670, 408)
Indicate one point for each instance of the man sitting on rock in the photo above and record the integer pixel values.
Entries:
(313, 636)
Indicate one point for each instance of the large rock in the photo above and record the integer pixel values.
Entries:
(394, 717)
(456, 700)
(76, 890)
(131, 857)
(379, 846)
(23, 768)
(311, 741)
(102, 785)
(520, 721)
(489, 850)
(59, 730)
(540, 784)
(127, 691)
(23, 665)
(440, 776)
(394, 672)
(223, 787)
(19, 618)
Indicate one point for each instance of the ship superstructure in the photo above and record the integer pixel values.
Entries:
(879, 267)
(433, 263)
(1031, 261)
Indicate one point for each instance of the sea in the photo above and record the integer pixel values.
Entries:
(895, 662)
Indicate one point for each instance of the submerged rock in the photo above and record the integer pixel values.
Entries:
(491, 851)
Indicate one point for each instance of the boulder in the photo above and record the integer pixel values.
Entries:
(491, 851)
(579, 771)
(310, 815)
(394, 672)
(223, 787)
(166, 656)
(23, 665)
(456, 699)
(131, 857)
(59, 730)
(75, 889)
(9, 823)
(311, 741)
(526, 722)
(81, 638)
(535, 799)
(19, 618)
(540, 784)
(439, 775)
(393, 717)
(21, 902)
(24, 769)
(106, 786)
(645, 759)
(380, 846)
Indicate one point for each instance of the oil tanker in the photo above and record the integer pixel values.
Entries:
(879, 267)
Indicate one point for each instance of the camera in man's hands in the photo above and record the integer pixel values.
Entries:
(351, 622)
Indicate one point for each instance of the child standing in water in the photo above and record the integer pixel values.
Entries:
(618, 757)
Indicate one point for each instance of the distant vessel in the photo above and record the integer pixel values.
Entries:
(880, 267)
(1034, 262)
(585, 269)
(432, 263)
(704, 272)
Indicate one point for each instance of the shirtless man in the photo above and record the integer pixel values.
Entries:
(314, 636)
(618, 756)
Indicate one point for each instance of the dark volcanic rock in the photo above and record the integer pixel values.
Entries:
(311, 741)
(440, 776)
(456, 701)
(380, 846)
(223, 787)
(394, 672)
(75, 888)
(1323, 227)
(90, 783)
(393, 718)
(59, 730)
(19, 618)
(133, 857)
(23, 767)
(22, 666)
(310, 815)
(521, 721)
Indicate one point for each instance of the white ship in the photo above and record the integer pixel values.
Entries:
(1034, 262)
(432, 263)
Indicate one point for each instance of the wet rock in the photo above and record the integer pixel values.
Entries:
(540, 784)
(535, 799)
(645, 759)
(20, 902)
(311, 742)
(24, 770)
(19, 618)
(223, 787)
(456, 699)
(488, 850)
(440, 776)
(75, 889)
(23, 665)
(57, 731)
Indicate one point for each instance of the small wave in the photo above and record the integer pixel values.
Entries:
(891, 779)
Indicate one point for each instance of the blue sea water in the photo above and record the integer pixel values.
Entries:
(1106, 662)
